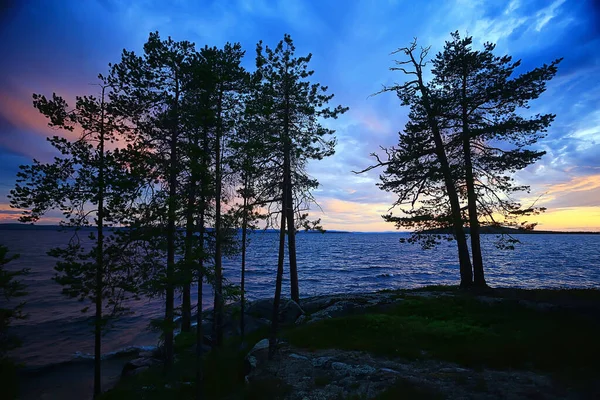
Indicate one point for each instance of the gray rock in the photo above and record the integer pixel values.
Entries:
(338, 309)
(298, 356)
(352, 369)
(261, 345)
(252, 324)
(252, 361)
(260, 308)
(132, 366)
(321, 362)
(290, 312)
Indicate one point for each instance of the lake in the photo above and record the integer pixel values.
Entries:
(57, 331)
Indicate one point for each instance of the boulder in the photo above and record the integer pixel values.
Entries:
(258, 355)
(260, 308)
(252, 324)
(289, 310)
(142, 364)
(339, 309)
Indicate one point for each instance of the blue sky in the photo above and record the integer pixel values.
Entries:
(61, 45)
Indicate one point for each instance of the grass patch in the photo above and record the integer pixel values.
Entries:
(464, 330)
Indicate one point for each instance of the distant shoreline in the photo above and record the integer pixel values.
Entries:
(484, 231)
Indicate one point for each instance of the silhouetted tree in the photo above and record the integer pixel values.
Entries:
(415, 168)
(293, 108)
(480, 97)
(91, 187)
(150, 92)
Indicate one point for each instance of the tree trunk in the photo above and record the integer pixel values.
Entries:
(186, 306)
(218, 303)
(287, 193)
(466, 273)
(243, 277)
(479, 279)
(99, 260)
(202, 233)
(171, 232)
(278, 283)
(291, 228)
(199, 330)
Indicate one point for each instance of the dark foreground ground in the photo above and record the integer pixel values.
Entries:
(431, 343)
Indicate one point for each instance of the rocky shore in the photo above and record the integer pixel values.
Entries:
(300, 373)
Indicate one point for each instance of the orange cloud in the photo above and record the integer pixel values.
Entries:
(576, 184)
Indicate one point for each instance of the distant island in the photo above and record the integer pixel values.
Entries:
(486, 230)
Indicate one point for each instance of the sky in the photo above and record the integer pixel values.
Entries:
(61, 46)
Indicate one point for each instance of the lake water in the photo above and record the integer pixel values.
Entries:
(57, 331)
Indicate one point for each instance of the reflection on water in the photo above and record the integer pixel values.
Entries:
(331, 263)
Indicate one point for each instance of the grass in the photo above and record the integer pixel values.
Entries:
(466, 331)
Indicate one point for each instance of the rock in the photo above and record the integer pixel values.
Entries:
(260, 308)
(301, 319)
(261, 345)
(289, 313)
(352, 369)
(298, 356)
(339, 309)
(132, 367)
(252, 324)
(321, 362)
(289, 310)
(255, 357)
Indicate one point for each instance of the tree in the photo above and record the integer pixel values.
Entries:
(230, 80)
(92, 188)
(419, 169)
(292, 110)
(245, 159)
(10, 288)
(150, 91)
(473, 97)
(480, 97)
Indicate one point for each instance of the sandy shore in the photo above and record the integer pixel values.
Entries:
(73, 380)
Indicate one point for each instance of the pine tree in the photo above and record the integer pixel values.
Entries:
(480, 96)
(150, 93)
(92, 188)
(293, 108)
(419, 168)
